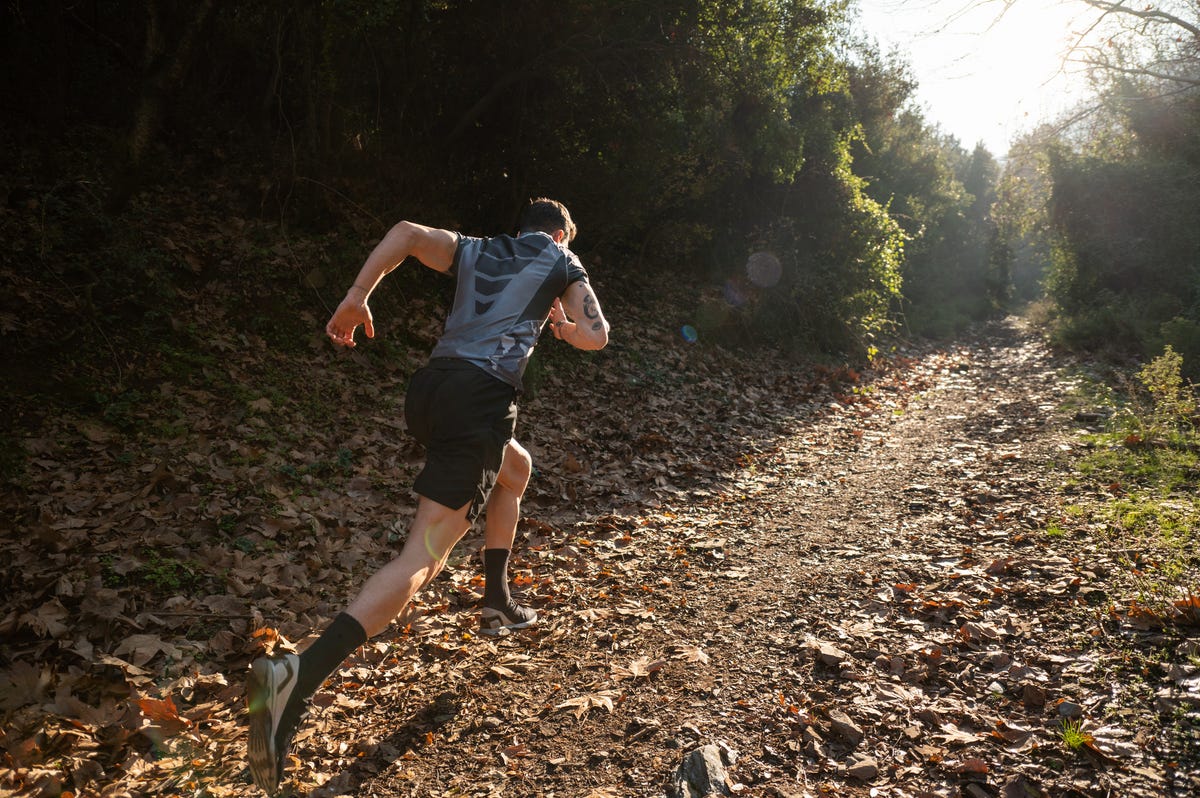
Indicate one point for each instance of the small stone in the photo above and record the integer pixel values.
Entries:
(844, 727)
(862, 767)
(830, 654)
(1069, 709)
(728, 755)
(701, 774)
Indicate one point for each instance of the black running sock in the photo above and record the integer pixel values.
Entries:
(324, 656)
(317, 662)
(495, 568)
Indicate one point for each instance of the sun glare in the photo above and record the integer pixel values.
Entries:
(985, 73)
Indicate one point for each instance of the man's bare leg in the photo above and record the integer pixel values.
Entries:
(435, 530)
(503, 512)
(279, 689)
(504, 505)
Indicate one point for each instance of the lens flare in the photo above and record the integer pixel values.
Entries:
(689, 333)
(764, 269)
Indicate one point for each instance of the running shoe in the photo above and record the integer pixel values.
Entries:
(502, 621)
(268, 688)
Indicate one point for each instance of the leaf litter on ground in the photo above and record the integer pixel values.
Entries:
(842, 575)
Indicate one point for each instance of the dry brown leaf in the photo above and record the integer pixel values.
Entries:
(1014, 736)
(581, 704)
(972, 767)
(22, 684)
(163, 716)
(48, 620)
(1113, 742)
(691, 653)
(140, 649)
(952, 734)
(642, 666)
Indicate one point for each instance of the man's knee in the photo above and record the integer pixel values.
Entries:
(516, 468)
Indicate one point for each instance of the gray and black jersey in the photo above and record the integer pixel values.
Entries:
(505, 289)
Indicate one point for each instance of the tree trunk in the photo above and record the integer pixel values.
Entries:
(164, 69)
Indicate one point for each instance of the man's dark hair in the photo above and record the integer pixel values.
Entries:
(545, 215)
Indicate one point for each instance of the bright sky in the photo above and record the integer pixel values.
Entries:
(982, 78)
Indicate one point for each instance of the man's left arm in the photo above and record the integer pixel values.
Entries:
(577, 318)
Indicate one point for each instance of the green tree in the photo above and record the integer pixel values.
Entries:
(1118, 226)
(686, 134)
(940, 195)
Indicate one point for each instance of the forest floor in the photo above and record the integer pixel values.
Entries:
(799, 580)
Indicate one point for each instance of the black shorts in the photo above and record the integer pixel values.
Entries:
(464, 417)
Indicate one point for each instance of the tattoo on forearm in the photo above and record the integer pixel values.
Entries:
(592, 312)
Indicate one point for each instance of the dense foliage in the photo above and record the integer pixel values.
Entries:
(940, 195)
(1109, 204)
(688, 137)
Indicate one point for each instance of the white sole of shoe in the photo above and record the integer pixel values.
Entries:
(503, 628)
(263, 685)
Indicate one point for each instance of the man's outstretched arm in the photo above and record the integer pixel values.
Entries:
(433, 247)
(577, 318)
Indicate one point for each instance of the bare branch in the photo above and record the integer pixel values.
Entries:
(1149, 72)
(1150, 14)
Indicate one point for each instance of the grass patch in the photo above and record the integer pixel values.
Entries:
(1072, 734)
(156, 573)
(1146, 463)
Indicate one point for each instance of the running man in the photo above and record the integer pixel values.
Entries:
(462, 406)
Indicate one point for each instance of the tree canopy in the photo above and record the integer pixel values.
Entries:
(1104, 203)
(686, 136)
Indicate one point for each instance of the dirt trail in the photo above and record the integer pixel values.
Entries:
(829, 583)
(871, 608)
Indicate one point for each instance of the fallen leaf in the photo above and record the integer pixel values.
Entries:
(956, 735)
(163, 716)
(972, 767)
(1014, 736)
(642, 666)
(143, 648)
(691, 653)
(581, 704)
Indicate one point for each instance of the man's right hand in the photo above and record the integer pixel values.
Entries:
(351, 313)
(586, 327)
